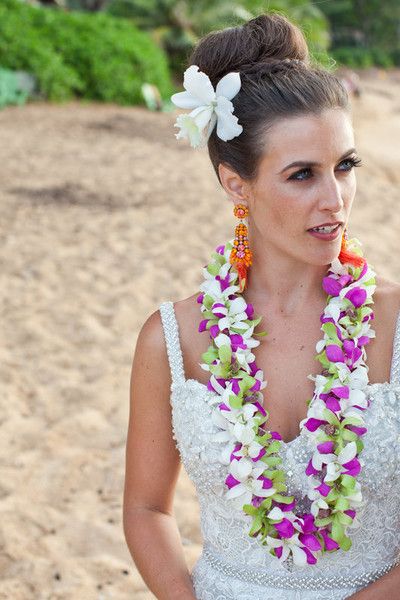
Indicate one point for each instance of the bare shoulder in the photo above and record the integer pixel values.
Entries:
(151, 332)
(188, 309)
(150, 358)
(151, 352)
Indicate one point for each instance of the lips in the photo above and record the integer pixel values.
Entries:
(324, 235)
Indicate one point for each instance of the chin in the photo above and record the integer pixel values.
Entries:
(324, 260)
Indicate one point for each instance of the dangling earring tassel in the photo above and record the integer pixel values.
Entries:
(241, 255)
(345, 256)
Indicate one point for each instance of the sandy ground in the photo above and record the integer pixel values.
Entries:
(103, 218)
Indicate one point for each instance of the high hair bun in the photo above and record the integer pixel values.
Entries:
(260, 44)
(278, 81)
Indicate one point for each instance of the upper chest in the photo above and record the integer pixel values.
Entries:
(287, 354)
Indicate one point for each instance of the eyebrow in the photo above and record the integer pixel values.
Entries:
(306, 163)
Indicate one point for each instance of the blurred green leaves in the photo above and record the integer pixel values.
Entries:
(93, 56)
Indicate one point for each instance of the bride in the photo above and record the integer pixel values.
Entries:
(259, 383)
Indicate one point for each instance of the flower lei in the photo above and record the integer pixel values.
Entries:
(334, 421)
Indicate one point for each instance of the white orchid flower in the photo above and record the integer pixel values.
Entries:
(338, 268)
(212, 287)
(369, 288)
(356, 398)
(235, 315)
(223, 436)
(319, 459)
(354, 379)
(208, 106)
(359, 377)
(244, 358)
(235, 426)
(252, 450)
(333, 308)
(242, 423)
(243, 415)
(318, 503)
(289, 545)
(247, 472)
(244, 433)
(335, 467)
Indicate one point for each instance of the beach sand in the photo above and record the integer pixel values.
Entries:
(104, 215)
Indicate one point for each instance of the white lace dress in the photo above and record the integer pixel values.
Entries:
(234, 566)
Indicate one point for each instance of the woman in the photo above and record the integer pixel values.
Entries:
(310, 515)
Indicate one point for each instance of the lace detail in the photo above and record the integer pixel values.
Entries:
(395, 368)
(376, 543)
(174, 351)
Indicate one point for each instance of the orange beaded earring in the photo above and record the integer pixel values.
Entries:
(241, 255)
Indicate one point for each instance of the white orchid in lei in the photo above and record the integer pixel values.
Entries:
(247, 473)
(234, 315)
(289, 546)
(237, 426)
(212, 288)
(209, 106)
(335, 466)
(318, 501)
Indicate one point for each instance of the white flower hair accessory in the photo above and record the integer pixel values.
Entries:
(209, 107)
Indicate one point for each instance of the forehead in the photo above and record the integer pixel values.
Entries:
(309, 137)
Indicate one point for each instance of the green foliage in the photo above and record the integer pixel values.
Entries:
(364, 32)
(95, 56)
(178, 24)
(356, 57)
(22, 46)
(307, 16)
(11, 91)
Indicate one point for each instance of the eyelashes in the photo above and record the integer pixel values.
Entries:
(354, 161)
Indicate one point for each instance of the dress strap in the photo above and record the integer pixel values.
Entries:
(171, 334)
(395, 368)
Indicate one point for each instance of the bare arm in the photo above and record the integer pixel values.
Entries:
(384, 588)
(152, 469)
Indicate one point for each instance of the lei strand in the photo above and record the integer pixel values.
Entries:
(334, 419)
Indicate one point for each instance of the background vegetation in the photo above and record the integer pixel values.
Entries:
(107, 49)
(93, 56)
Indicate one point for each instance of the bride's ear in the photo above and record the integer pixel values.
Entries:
(233, 184)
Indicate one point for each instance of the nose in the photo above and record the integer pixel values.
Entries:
(331, 195)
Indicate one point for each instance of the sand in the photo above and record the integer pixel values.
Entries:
(103, 217)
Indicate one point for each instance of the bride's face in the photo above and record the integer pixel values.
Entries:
(306, 178)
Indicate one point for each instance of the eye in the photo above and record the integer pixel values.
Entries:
(306, 173)
(353, 161)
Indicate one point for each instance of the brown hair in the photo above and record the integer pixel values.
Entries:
(277, 81)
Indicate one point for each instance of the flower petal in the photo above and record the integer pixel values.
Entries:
(228, 86)
(348, 453)
(198, 85)
(310, 541)
(299, 556)
(184, 100)
(227, 124)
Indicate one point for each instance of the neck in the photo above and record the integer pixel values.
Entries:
(283, 284)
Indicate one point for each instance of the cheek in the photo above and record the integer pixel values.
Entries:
(292, 204)
(284, 206)
(348, 187)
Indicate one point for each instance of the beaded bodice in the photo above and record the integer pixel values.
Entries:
(230, 554)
